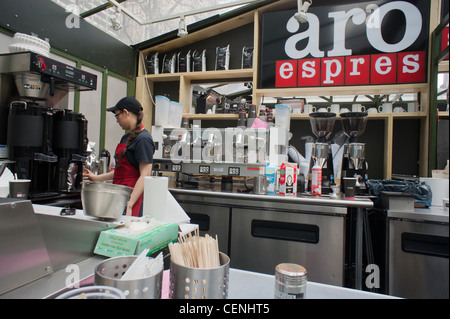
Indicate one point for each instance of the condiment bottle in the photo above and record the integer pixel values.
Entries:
(316, 180)
(290, 281)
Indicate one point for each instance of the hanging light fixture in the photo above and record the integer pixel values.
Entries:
(303, 7)
(182, 30)
(115, 18)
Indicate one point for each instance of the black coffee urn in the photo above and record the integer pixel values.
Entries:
(30, 130)
(70, 145)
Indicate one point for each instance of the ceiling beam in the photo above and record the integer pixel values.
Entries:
(178, 15)
(98, 9)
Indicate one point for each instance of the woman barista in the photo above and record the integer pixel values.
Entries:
(133, 155)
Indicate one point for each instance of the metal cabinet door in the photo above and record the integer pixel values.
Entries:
(212, 220)
(418, 259)
(262, 239)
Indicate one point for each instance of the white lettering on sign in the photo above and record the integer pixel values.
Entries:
(340, 22)
(413, 26)
(329, 71)
(411, 64)
(383, 65)
(386, 68)
(312, 34)
(354, 65)
(309, 70)
(373, 17)
(286, 70)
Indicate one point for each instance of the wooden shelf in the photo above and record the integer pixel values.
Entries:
(204, 76)
(443, 115)
(375, 116)
(341, 90)
(211, 116)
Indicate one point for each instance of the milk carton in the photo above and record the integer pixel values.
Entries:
(271, 174)
(288, 179)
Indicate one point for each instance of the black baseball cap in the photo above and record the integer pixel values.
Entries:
(127, 103)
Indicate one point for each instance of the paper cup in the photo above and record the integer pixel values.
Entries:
(19, 188)
(349, 187)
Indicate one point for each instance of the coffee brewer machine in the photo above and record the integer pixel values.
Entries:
(322, 124)
(46, 142)
(353, 162)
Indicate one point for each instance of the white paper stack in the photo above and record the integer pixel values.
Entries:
(159, 202)
(4, 182)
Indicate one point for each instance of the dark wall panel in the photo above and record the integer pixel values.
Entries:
(48, 20)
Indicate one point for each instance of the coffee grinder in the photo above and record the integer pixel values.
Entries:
(322, 124)
(353, 162)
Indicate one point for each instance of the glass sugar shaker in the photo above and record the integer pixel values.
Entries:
(290, 281)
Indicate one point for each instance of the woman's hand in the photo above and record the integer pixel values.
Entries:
(129, 210)
(97, 178)
(89, 175)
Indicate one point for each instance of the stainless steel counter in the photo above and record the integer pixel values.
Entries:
(56, 282)
(242, 285)
(260, 231)
(246, 284)
(359, 202)
(432, 214)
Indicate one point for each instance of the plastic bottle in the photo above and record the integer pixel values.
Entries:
(262, 113)
(316, 180)
(251, 115)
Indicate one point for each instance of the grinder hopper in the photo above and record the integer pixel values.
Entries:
(354, 124)
(322, 124)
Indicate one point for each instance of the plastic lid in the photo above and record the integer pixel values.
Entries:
(354, 114)
(322, 114)
(292, 270)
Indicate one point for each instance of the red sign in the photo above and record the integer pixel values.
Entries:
(332, 71)
(411, 67)
(383, 68)
(444, 40)
(347, 43)
(286, 73)
(357, 69)
(308, 72)
(389, 68)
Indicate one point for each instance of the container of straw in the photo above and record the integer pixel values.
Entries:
(114, 272)
(198, 270)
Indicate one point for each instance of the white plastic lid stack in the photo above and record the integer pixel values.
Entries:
(24, 42)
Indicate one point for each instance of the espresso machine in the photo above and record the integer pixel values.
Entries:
(44, 145)
(353, 162)
(322, 124)
(198, 154)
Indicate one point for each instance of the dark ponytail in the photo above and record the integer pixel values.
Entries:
(134, 132)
